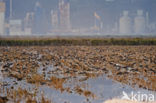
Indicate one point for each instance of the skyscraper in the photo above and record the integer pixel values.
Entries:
(29, 19)
(54, 20)
(29, 22)
(2, 17)
(38, 19)
(64, 14)
(7, 9)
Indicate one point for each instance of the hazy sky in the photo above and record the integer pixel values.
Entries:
(82, 10)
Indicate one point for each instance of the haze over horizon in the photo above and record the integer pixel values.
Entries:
(82, 10)
(80, 16)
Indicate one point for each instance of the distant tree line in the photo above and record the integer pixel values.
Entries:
(73, 41)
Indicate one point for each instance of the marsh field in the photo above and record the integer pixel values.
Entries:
(75, 73)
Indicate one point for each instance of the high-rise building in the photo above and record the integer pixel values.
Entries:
(28, 22)
(2, 18)
(54, 20)
(39, 27)
(125, 24)
(139, 23)
(15, 27)
(7, 9)
(64, 15)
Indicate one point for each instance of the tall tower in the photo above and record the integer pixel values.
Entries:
(29, 22)
(54, 20)
(39, 27)
(147, 21)
(2, 17)
(11, 9)
(125, 24)
(8, 9)
(139, 22)
(64, 13)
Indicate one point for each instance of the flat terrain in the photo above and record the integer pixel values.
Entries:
(66, 68)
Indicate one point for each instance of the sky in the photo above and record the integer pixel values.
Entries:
(82, 10)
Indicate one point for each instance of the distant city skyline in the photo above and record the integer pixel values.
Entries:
(82, 10)
(94, 16)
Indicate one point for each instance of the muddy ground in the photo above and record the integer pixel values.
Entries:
(66, 69)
